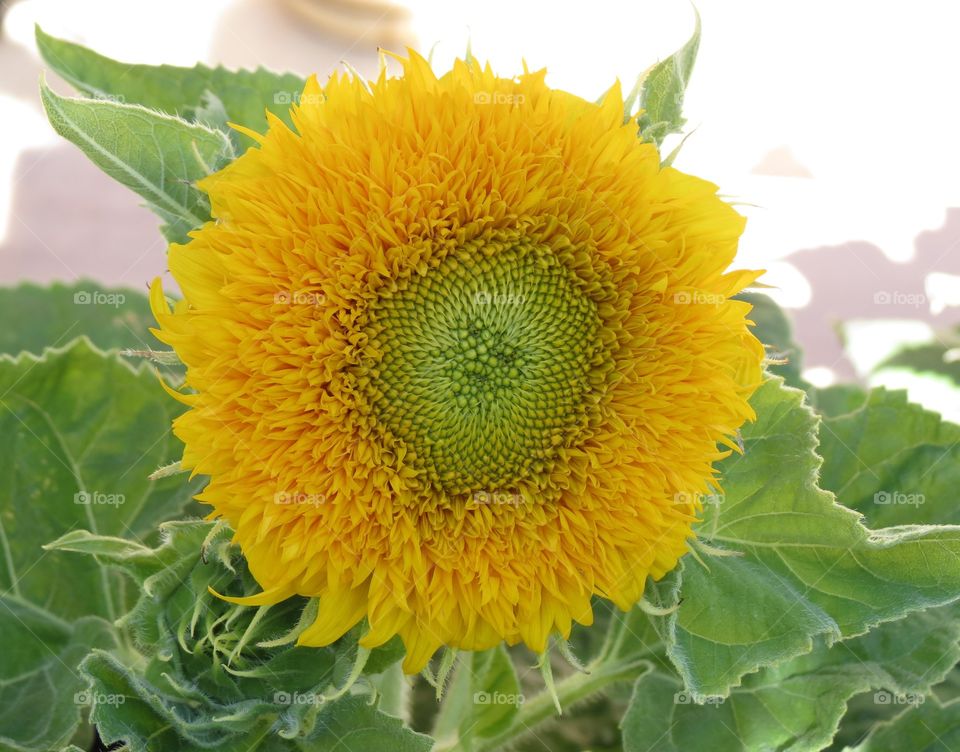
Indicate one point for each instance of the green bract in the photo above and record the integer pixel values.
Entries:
(215, 675)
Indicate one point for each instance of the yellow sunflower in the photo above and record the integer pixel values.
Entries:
(460, 354)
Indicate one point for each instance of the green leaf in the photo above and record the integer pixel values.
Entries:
(51, 316)
(838, 399)
(885, 449)
(927, 727)
(804, 567)
(661, 95)
(42, 695)
(797, 705)
(354, 723)
(158, 156)
(199, 94)
(773, 329)
(82, 433)
(940, 357)
(893, 461)
(788, 716)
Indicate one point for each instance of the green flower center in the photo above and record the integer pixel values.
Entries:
(484, 365)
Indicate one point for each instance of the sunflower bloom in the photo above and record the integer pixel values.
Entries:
(460, 354)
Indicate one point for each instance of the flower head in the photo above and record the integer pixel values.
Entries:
(461, 355)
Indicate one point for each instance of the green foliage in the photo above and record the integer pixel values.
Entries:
(54, 315)
(796, 705)
(867, 442)
(483, 699)
(838, 399)
(827, 573)
(217, 675)
(214, 96)
(941, 358)
(159, 129)
(894, 462)
(928, 727)
(160, 157)
(794, 552)
(83, 431)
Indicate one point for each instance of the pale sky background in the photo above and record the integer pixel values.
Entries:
(834, 123)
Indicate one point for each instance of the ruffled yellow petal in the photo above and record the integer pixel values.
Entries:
(461, 355)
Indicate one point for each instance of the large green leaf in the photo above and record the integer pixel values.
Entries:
(797, 705)
(802, 567)
(938, 357)
(662, 90)
(838, 399)
(83, 431)
(211, 95)
(42, 695)
(928, 727)
(54, 315)
(790, 715)
(893, 461)
(158, 156)
(897, 464)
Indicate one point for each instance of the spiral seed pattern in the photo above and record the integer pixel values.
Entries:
(484, 365)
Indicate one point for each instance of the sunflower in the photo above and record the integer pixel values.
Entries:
(460, 356)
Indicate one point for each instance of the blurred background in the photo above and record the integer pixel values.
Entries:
(833, 126)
